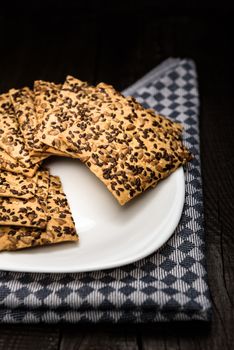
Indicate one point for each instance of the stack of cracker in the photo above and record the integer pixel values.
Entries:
(20, 114)
(127, 147)
(33, 207)
(33, 211)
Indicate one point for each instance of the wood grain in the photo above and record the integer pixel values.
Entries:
(29, 337)
(99, 338)
(119, 48)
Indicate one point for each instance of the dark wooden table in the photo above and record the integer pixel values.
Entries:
(104, 44)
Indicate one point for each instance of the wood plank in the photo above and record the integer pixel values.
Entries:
(118, 49)
(99, 338)
(216, 130)
(171, 336)
(29, 337)
(49, 54)
(217, 125)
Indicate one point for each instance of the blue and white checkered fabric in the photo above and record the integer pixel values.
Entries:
(171, 284)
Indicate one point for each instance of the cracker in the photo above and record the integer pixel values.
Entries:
(11, 138)
(127, 147)
(64, 115)
(46, 94)
(77, 98)
(23, 104)
(10, 164)
(45, 97)
(27, 212)
(60, 227)
(17, 185)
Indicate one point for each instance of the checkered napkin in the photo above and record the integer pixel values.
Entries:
(171, 284)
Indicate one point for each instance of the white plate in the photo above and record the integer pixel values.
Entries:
(110, 235)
